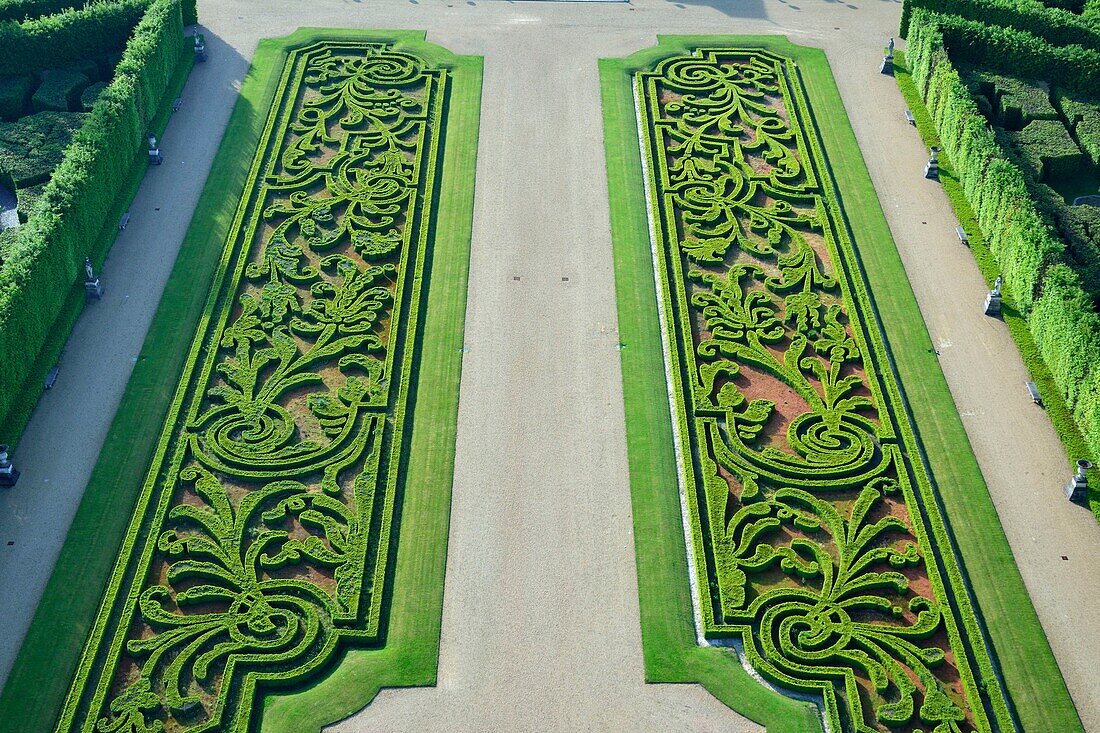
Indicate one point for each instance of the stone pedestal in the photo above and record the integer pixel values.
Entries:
(8, 475)
(887, 65)
(93, 289)
(1078, 487)
(932, 170)
(155, 157)
(992, 305)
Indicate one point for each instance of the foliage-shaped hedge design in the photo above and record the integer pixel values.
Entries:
(817, 537)
(261, 539)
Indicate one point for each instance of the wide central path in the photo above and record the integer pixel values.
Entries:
(540, 621)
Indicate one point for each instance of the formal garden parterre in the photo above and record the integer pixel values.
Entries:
(821, 544)
(262, 541)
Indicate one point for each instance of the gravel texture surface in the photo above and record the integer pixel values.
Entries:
(540, 620)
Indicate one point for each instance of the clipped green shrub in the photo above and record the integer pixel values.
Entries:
(89, 96)
(60, 91)
(1048, 149)
(1083, 114)
(46, 260)
(15, 93)
(32, 147)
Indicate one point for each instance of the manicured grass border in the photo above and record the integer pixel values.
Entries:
(1061, 417)
(39, 681)
(1032, 676)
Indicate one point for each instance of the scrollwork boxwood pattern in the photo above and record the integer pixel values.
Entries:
(260, 543)
(817, 539)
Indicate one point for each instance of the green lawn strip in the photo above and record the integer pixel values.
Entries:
(1060, 415)
(1034, 680)
(411, 653)
(668, 633)
(11, 429)
(40, 679)
(1024, 655)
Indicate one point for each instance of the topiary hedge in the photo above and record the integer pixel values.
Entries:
(60, 91)
(47, 257)
(32, 147)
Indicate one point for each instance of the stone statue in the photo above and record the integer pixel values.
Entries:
(89, 274)
(890, 48)
(997, 286)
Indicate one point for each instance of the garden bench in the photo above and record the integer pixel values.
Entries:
(1034, 391)
(910, 118)
(124, 221)
(962, 235)
(51, 377)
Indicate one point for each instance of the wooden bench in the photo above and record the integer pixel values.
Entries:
(910, 118)
(124, 221)
(962, 235)
(1034, 392)
(51, 377)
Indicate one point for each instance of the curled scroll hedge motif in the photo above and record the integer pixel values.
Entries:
(260, 543)
(816, 534)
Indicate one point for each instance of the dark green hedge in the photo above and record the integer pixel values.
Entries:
(60, 91)
(15, 92)
(46, 259)
(89, 96)
(74, 35)
(1058, 26)
(1066, 328)
(1017, 52)
(24, 9)
(32, 147)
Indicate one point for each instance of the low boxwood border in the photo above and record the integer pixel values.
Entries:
(36, 688)
(671, 655)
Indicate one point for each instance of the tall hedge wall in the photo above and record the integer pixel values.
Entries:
(1033, 259)
(20, 10)
(45, 260)
(1055, 25)
(55, 40)
(24, 9)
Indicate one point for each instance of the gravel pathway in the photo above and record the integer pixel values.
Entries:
(540, 626)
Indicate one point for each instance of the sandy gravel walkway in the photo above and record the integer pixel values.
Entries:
(540, 606)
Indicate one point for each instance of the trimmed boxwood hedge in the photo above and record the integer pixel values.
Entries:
(60, 91)
(32, 147)
(46, 258)
(15, 92)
